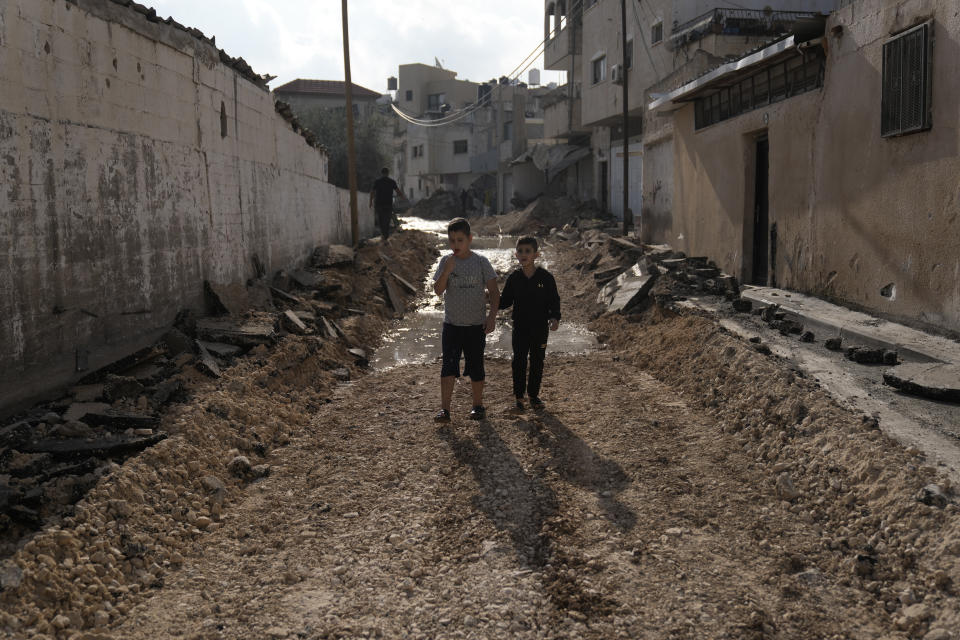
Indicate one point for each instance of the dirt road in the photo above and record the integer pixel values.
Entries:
(679, 485)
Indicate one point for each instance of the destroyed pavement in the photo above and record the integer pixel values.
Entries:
(734, 499)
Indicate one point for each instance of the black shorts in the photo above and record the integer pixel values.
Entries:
(468, 341)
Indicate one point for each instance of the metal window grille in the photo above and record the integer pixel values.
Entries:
(905, 101)
(772, 84)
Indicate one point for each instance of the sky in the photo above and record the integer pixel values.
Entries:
(479, 39)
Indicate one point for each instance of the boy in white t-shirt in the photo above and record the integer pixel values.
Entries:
(461, 278)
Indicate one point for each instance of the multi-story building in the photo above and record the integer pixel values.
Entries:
(497, 122)
(668, 42)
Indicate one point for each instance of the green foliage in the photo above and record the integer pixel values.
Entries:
(330, 125)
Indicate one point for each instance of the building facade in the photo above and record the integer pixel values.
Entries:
(829, 165)
(305, 95)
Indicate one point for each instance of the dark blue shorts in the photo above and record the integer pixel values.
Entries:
(468, 341)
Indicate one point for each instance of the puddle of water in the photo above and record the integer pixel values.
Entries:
(416, 337)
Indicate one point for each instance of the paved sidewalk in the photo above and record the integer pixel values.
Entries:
(829, 320)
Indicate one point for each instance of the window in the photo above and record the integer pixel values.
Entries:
(507, 130)
(459, 146)
(223, 120)
(421, 151)
(411, 193)
(413, 151)
(435, 100)
(656, 32)
(905, 101)
(629, 53)
(599, 68)
(409, 95)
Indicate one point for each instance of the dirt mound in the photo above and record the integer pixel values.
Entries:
(877, 505)
(86, 568)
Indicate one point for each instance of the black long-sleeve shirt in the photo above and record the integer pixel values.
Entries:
(535, 300)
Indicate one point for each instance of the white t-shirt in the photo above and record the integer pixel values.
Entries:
(464, 303)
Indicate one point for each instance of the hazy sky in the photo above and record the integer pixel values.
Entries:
(479, 39)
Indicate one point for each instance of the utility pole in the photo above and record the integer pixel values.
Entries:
(351, 152)
(626, 124)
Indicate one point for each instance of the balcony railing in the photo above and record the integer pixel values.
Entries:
(743, 22)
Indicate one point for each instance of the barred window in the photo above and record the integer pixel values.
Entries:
(905, 102)
(774, 83)
(459, 146)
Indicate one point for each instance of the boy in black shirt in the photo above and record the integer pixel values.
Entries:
(532, 292)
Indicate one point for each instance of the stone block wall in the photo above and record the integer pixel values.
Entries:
(135, 163)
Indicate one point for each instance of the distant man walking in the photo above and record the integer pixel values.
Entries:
(381, 199)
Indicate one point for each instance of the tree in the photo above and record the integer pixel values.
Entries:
(330, 125)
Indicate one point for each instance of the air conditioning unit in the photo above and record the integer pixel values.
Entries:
(616, 74)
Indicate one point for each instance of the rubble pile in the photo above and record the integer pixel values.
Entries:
(201, 408)
(543, 215)
(440, 205)
(890, 523)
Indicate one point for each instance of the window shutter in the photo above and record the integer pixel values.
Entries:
(905, 100)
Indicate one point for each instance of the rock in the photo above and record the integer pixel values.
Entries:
(11, 575)
(60, 622)
(937, 634)
(674, 531)
(863, 565)
(239, 466)
(101, 619)
(260, 471)
(202, 522)
(627, 290)
(769, 314)
(305, 279)
(807, 336)
(933, 495)
(742, 305)
(207, 363)
(785, 487)
(212, 484)
(245, 333)
(890, 357)
(762, 348)
(865, 355)
(331, 255)
(833, 344)
(220, 349)
(293, 322)
(342, 374)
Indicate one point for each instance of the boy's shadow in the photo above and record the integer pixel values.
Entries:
(576, 462)
(512, 499)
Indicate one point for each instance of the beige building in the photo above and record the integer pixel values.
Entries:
(667, 43)
(829, 164)
(459, 132)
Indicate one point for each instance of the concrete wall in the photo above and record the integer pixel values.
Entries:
(855, 212)
(122, 193)
(684, 10)
(303, 103)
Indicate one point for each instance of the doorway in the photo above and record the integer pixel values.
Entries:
(761, 214)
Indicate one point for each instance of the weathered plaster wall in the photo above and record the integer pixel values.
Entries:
(855, 212)
(121, 193)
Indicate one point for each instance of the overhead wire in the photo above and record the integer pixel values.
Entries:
(514, 74)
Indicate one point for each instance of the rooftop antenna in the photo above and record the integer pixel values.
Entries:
(436, 61)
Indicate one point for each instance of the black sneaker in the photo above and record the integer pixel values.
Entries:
(442, 416)
(536, 404)
(519, 404)
(478, 413)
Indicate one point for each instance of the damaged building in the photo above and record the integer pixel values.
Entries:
(137, 161)
(827, 162)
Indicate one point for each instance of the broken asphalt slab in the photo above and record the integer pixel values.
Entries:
(855, 328)
(331, 255)
(938, 381)
(628, 289)
(248, 333)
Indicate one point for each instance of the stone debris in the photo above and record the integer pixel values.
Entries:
(833, 344)
(393, 294)
(627, 290)
(294, 323)
(228, 298)
(332, 255)
(249, 332)
(937, 381)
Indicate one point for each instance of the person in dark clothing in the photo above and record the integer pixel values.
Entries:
(532, 292)
(381, 199)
